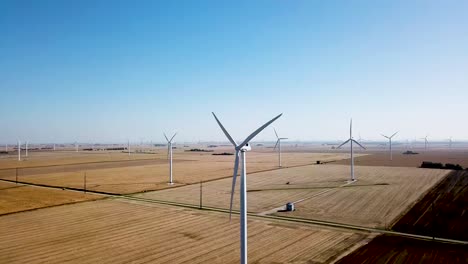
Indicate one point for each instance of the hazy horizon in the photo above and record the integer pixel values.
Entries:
(105, 71)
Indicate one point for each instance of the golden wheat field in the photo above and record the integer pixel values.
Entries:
(121, 175)
(379, 195)
(18, 197)
(118, 231)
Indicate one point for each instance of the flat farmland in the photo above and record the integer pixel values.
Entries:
(382, 158)
(130, 176)
(442, 212)
(117, 231)
(49, 158)
(390, 249)
(380, 195)
(321, 192)
(16, 198)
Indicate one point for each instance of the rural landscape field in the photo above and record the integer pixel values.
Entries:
(214, 132)
(126, 201)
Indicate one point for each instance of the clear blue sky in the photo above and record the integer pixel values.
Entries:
(111, 70)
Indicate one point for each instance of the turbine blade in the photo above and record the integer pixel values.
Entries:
(173, 137)
(384, 136)
(224, 130)
(283, 138)
(166, 137)
(168, 147)
(394, 134)
(343, 143)
(358, 143)
(276, 143)
(258, 131)
(275, 133)
(234, 178)
(351, 128)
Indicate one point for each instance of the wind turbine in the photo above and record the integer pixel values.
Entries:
(54, 146)
(425, 142)
(76, 146)
(351, 140)
(241, 149)
(390, 142)
(26, 153)
(169, 155)
(128, 147)
(278, 143)
(19, 150)
(450, 142)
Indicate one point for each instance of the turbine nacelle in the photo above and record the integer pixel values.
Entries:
(246, 148)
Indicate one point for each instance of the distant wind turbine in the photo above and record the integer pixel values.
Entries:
(26, 145)
(351, 140)
(278, 144)
(450, 142)
(128, 147)
(241, 149)
(19, 150)
(169, 155)
(390, 142)
(425, 142)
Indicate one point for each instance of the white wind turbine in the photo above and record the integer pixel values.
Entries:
(19, 150)
(169, 155)
(351, 141)
(128, 147)
(26, 145)
(241, 149)
(278, 144)
(390, 142)
(450, 142)
(425, 142)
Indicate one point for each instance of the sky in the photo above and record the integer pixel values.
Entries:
(108, 71)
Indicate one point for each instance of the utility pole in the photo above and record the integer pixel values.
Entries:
(201, 195)
(84, 182)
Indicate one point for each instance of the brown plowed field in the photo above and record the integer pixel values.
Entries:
(114, 231)
(449, 200)
(130, 176)
(380, 195)
(387, 249)
(382, 158)
(16, 198)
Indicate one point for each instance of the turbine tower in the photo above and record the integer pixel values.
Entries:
(390, 142)
(425, 142)
(241, 149)
(450, 142)
(278, 144)
(19, 150)
(26, 153)
(169, 155)
(76, 146)
(351, 141)
(128, 147)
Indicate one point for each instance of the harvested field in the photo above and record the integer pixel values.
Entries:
(116, 231)
(379, 196)
(69, 157)
(442, 212)
(381, 158)
(16, 198)
(131, 176)
(391, 249)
